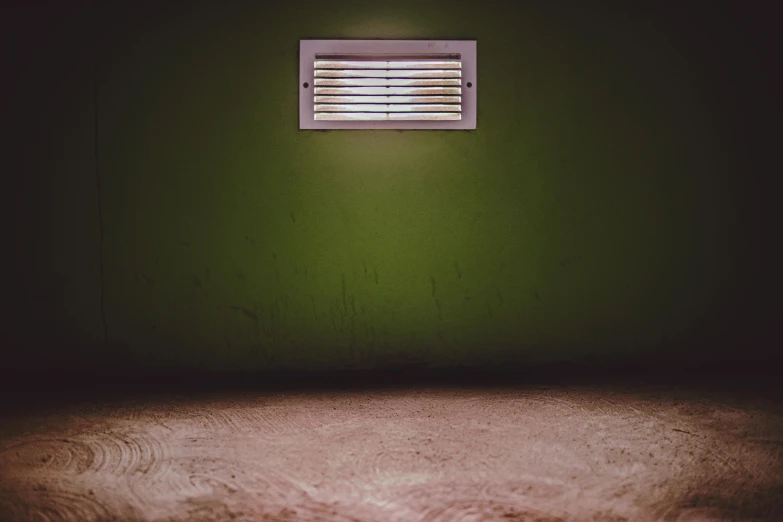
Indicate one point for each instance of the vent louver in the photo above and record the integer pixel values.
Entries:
(405, 89)
(397, 84)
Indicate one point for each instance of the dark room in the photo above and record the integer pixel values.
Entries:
(401, 261)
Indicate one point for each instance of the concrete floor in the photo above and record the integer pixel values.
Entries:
(414, 454)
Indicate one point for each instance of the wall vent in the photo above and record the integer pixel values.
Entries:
(387, 84)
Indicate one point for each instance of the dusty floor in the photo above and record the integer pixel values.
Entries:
(421, 454)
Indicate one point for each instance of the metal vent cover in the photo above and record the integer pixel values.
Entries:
(387, 84)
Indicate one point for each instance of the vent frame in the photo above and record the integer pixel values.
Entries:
(311, 50)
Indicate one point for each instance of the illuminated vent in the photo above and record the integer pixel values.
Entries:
(406, 89)
(397, 84)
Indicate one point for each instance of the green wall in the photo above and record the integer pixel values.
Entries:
(598, 213)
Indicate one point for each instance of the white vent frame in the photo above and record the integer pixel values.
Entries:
(311, 50)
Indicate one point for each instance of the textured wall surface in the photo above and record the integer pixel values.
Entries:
(600, 211)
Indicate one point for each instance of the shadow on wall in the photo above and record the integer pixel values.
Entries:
(600, 217)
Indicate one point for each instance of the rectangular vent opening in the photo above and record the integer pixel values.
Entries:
(404, 88)
(398, 88)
